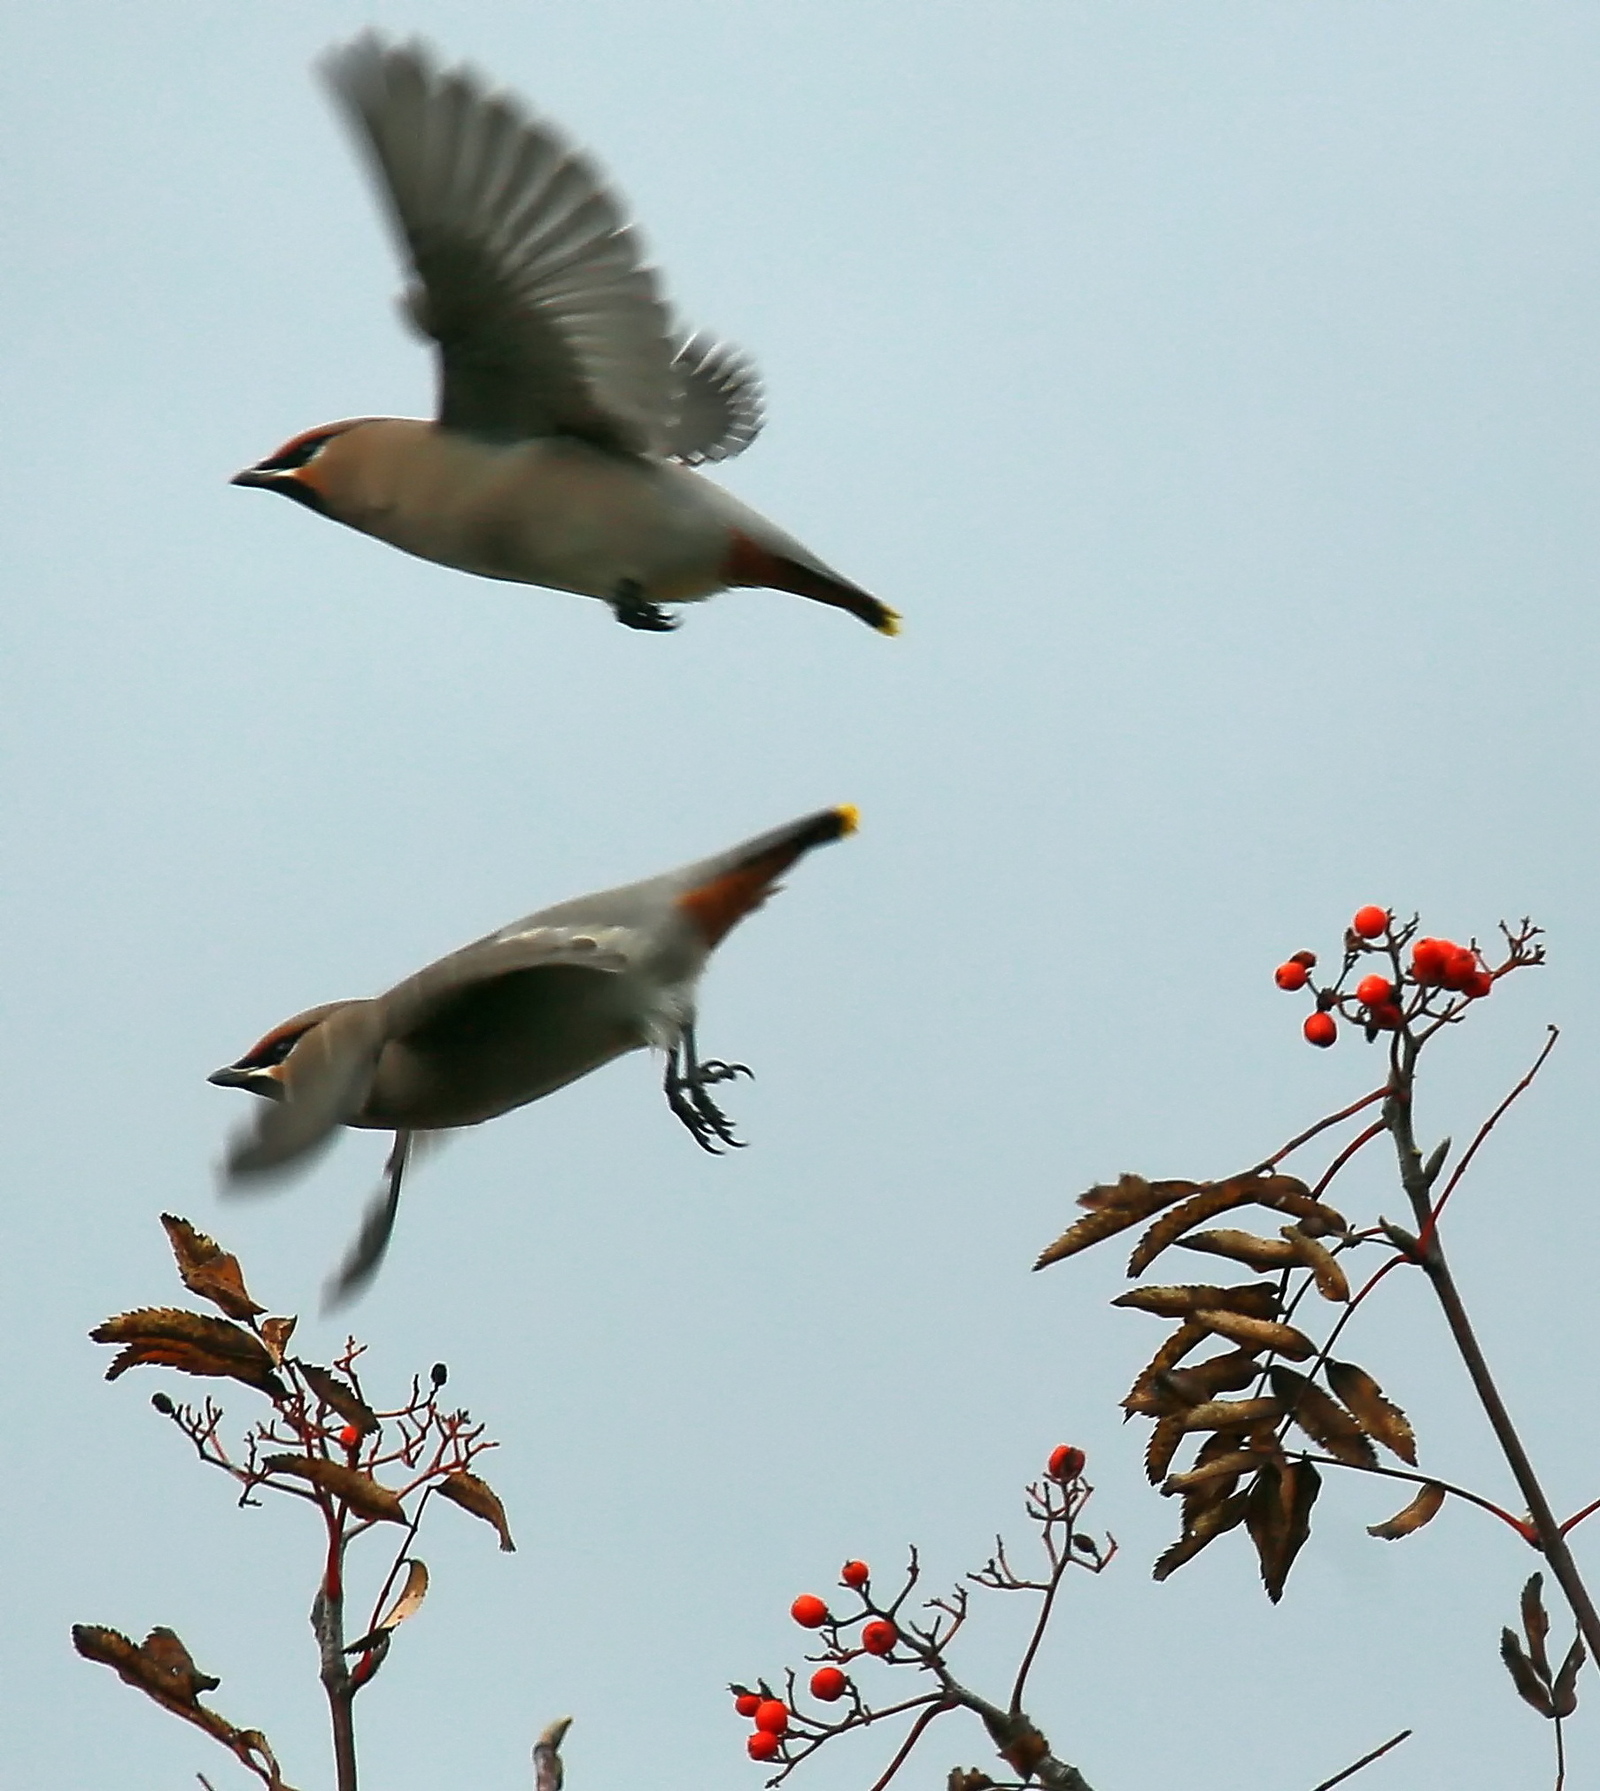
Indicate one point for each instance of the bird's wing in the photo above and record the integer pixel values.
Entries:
(324, 1079)
(720, 409)
(522, 946)
(531, 281)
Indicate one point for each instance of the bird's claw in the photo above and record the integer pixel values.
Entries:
(634, 610)
(715, 1070)
(686, 1084)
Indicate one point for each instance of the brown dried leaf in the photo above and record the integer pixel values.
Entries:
(1231, 1462)
(364, 1496)
(1288, 1194)
(1323, 1419)
(1536, 1624)
(1227, 1414)
(1564, 1694)
(1113, 1208)
(1145, 1397)
(476, 1496)
(1323, 1264)
(1523, 1677)
(1423, 1509)
(406, 1605)
(968, 1779)
(160, 1667)
(410, 1600)
(1136, 1195)
(1258, 1298)
(1222, 1446)
(192, 1342)
(1254, 1252)
(1211, 1523)
(339, 1396)
(1219, 1197)
(1382, 1420)
(275, 1334)
(1161, 1448)
(208, 1270)
(1259, 1333)
(1228, 1373)
(1283, 1193)
(1279, 1518)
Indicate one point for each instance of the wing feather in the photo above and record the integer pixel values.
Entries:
(522, 946)
(532, 282)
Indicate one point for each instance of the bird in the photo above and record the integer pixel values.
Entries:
(509, 1019)
(572, 406)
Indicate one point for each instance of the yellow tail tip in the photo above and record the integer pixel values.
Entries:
(849, 818)
(890, 623)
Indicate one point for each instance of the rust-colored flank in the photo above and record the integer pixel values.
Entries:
(718, 906)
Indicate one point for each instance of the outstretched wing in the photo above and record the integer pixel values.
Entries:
(523, 946)
(531, 281)
(720, 409)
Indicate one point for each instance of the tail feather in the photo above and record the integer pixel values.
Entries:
(740, 881)
(749, 563)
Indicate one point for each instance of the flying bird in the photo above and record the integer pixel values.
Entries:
(572, 405)
(511, 1018)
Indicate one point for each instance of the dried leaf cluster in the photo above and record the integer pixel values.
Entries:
(324, 1442)
(1245, 1470)
(1552, 1694)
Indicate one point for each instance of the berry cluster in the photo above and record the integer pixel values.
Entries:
(785, 1734)
(878, 1635)
(1434, 985)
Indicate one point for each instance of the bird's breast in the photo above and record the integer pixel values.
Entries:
(555, 512)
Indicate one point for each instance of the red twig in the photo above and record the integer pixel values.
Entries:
(1483, 1132)
(1322, 1125)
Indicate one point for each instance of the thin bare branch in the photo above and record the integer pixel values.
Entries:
(1365, 1760)
(1486, 1128)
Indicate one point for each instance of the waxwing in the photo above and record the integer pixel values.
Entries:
(572, 406)
(510, 1018)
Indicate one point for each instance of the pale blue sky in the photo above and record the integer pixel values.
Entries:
(1212, 387)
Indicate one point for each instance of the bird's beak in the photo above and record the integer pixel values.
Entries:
(287, 481)
(257, 1081)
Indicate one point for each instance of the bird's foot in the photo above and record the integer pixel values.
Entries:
(685, 1086)
(715, 1070)
(634, 610)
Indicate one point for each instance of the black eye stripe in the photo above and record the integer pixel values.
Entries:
(272, 1053)
(297, 453)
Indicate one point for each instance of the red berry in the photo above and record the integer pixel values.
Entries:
(828, 1684)
(772, 1716)
(855, 1574)
(1320, 1029)
(1428, 960)
(1370, 922)
(747, 1703)
(879, 1636)
(1065, 1463)
(349, 1437)
(1386, 1015)
(762, 1746)
(1291, 976)
(1372, 991)
(1477, 985)
(809, 1611)
(1460, 968)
